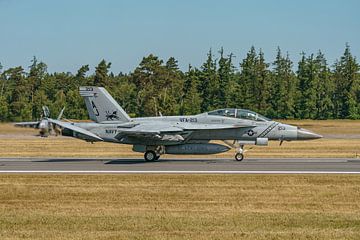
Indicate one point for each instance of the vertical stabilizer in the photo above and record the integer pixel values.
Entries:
(101, 106)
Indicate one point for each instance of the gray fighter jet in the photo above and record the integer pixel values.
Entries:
(44, 125)
(155, 136)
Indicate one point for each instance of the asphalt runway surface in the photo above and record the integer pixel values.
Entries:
(183, 166)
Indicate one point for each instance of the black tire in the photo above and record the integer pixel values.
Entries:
(239, 157)
(150, 156)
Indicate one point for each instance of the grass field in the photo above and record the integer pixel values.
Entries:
(342, 139)
(179, 207)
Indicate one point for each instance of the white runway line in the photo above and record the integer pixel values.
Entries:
(179, 172)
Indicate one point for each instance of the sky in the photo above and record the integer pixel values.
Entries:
(70, 33)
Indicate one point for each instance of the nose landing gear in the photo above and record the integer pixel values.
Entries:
(239, 156)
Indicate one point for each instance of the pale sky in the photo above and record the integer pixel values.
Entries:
(68, 34)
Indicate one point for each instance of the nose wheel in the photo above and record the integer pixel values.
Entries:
(239, 156)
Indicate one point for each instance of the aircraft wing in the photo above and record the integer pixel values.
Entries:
(150, 131)
(27, 124)
(170, 132)
(76, 129)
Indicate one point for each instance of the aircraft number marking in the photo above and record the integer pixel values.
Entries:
(185, 119)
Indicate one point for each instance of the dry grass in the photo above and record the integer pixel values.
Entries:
(179, 207)
(8, 128)
(344, 141)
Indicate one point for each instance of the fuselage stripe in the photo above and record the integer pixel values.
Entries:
(268, 129)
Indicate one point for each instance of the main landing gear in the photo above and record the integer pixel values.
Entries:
(150, 156)
(239, 156)
(153, 154)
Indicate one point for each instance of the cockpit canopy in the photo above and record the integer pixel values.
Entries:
(239, 113)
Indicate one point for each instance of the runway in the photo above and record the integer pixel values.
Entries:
(182, 166)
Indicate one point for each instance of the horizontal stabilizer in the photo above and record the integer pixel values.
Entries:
(27, 124)
(76, 129)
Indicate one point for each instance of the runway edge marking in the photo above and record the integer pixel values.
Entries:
(178, 172)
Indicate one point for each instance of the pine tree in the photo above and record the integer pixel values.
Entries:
(308, 78)
(262, 84)
(144, 77)
(227, 82)
(158, 86)
(170, 96)
(254, 82)
(225, 72)
(58, 104)
(283, 87)
(80, 77)
(19, 107)
(324, 88)
(247, 80)
(82, 71)
(191, 103)
(35, 77)
(40, 100)
(172, 64)
(346, 95)
(75, 105)
(125, 93)
(209, 84)
(4, 109)
(234, 94)
(101, 74)
(37, 72)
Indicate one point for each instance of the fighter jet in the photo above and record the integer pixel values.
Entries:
(44, 125)
(155, 136)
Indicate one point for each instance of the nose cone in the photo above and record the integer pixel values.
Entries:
(303, 134)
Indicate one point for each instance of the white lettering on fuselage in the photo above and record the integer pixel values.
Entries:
(110, 131)
(185, 119)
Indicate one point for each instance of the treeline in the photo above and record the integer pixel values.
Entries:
(315, 90)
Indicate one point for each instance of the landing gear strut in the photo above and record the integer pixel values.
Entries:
(239, 156)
